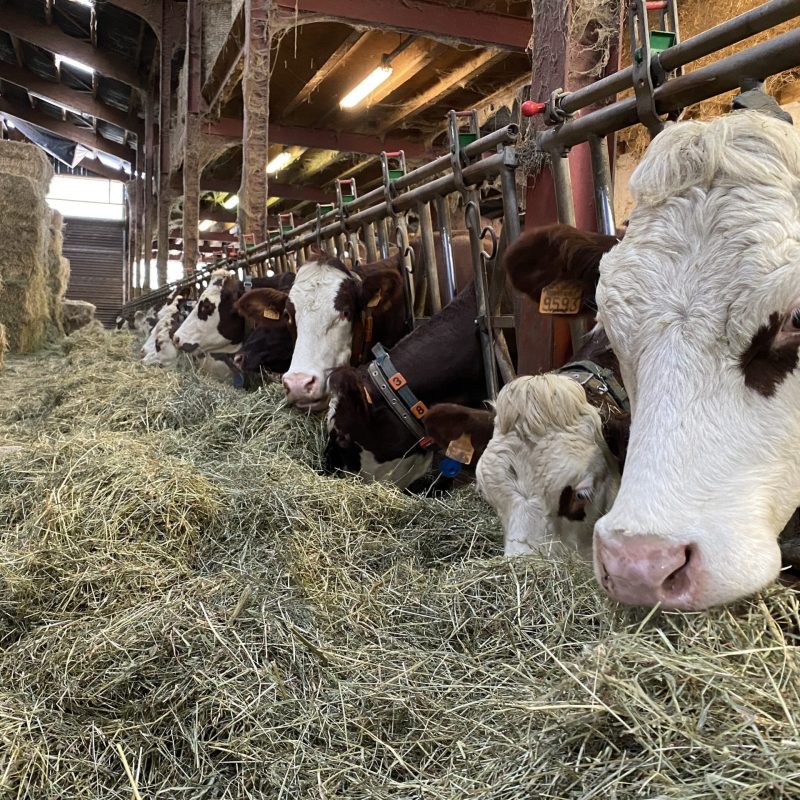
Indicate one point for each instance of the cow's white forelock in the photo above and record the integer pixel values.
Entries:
(324, 339)
(711, 251)
(547, 437)
(205, 332)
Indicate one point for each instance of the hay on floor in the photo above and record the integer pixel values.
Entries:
(25, 306)
(188, 609)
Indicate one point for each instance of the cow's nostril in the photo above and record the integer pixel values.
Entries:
(677, 582)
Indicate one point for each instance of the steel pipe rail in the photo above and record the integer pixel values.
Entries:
(757, 63)
(727, 33)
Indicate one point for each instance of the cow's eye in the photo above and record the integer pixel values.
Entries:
(792, 324)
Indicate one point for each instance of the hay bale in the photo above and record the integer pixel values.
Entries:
(25, 306)
(189, 609)
(58, 270)
(76, 314)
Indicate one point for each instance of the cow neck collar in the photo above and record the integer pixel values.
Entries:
(398, 395)
(600, 384)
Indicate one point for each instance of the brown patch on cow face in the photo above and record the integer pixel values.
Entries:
(766, 362)
(205, 309)
(570, 506)
(231, 325)
(348, 299)
(557, 252)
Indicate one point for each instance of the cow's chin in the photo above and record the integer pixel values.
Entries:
(313, 405)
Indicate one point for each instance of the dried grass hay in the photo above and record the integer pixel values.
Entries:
(188, 609)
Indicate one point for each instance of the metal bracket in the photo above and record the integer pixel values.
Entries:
(643, 84)
(458, 159)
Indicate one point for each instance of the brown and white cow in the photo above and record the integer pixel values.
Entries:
(335, 312)
(214, 325)
(441, 361)
(551, 466)
(701, 303)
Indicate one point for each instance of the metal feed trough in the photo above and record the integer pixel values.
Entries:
(370, 223)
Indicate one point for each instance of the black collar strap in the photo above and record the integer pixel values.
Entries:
(395, 390)
(598, 380)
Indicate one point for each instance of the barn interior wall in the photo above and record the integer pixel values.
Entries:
(217, 18)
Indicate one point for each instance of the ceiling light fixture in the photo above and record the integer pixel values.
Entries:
(205, 224)
(279, 162)
(87, 3)
(231, 202)
(367, 86)
(71, 62)
(378, 76)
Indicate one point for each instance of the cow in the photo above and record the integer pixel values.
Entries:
(701, 303)
(335, 313)
(440, 362)
(269, 345)
(214, 325)
(552, 463)
(163, 352)
(140, 322)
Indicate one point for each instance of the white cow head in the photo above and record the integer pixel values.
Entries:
(159, 350)
(324, 307)
(547, 470)
(701, 303)
(212, 323)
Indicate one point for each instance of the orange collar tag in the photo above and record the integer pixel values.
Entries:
(461, 449)
(561, 297)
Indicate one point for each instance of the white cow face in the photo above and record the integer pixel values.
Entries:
(547, 470)
(700, 302)
(213, 325)
(325, 303)
(161, 350)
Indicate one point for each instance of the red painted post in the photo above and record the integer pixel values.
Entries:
(544, 341)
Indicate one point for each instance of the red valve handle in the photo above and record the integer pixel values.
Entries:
(530, 108)
(656, 5)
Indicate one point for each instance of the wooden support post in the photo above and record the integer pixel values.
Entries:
(252, 215)
(568, 58)
(133, 235)
(191, 137)
(149, 181)
(164, 123)
(140, 212)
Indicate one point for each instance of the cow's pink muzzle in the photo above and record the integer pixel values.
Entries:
(645, 570)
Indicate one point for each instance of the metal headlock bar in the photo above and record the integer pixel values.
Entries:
(660, 90)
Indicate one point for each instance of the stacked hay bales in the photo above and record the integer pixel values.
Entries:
(57, 269)
(25, 306)
(188, 609)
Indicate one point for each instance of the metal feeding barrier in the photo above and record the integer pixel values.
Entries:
(367, 227)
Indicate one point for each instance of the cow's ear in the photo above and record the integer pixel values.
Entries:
(555, 253)
(381, 288)
(447, 422)
(315, 253)
(262, 306)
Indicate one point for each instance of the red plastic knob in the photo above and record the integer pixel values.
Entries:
(530, 108)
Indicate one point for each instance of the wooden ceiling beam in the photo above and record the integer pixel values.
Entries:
(448, 83)
(97, 167)
(72, 99)
(420, 18)
(322, 72)
(322, 139)
(66, 130)
(56, 41)
(276, 189)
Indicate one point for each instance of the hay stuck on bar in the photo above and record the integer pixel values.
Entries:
(188, 609)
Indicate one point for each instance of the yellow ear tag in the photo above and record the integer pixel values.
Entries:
(271, 313)
(561, 297)
(374, 301)
(461, 449)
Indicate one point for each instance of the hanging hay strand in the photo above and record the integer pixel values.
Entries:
(25, 304)
(189, 609)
